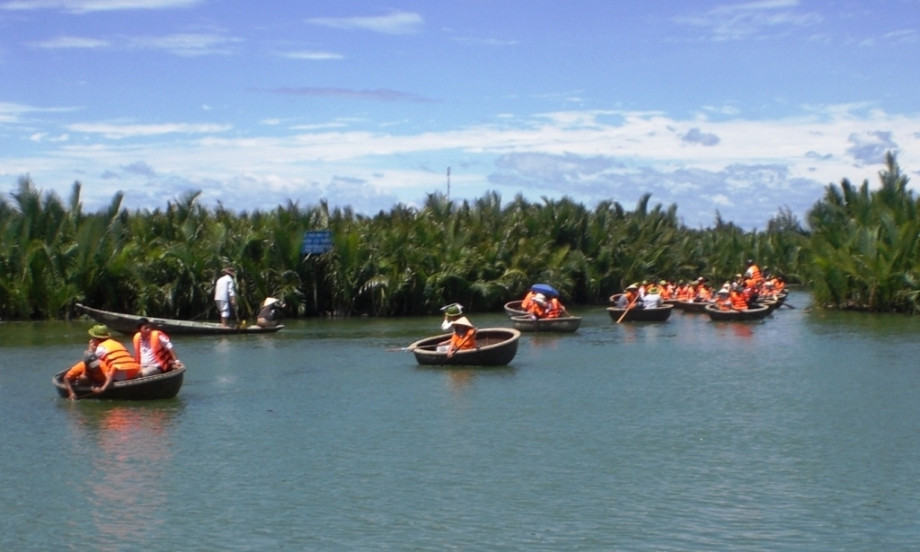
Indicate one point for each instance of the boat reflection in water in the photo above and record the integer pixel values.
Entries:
(126, 451)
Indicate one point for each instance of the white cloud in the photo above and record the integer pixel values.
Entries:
(187, 44)
(121, 131)
(753, 169)
(71, 42)
(86, 6)
(751, 19)
(395, 23)
(311, 55)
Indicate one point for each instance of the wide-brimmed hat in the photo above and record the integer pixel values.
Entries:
(453, 309)
(632, 286)
(462, 321)
(100, 331)
(270, 301)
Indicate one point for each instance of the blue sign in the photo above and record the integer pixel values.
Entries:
(318, 241)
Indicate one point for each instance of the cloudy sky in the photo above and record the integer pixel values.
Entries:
(740, 108)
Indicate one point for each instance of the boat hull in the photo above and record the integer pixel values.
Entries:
(513, 308)
(753, 313)
(495, 347)
(657, 314)
(692, 306)
(127, 324)
(563, 324)
(150, 388)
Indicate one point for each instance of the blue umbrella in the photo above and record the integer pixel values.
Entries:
(545, 289)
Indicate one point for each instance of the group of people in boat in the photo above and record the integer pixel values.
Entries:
(106, 360)
(737, 294)
(538, 305)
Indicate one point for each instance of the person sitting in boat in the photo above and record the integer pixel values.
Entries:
(667, 290)
(270, 314)
(723, 298)
(104, 362)
(703, 292)
(630, 299)
(463, 337)
(738, 299)
(538, 307)
(451, 312)
(527, 302)
(153, 350)
(652, 297)
(555, 308)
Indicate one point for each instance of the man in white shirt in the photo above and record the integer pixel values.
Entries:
(225, 295)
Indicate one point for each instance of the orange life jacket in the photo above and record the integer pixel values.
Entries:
(537, 310)
(738, 300)
(753, 272)
(554, 309)
(528, 300)
(467, 340)
(118, 358)
(160, 352)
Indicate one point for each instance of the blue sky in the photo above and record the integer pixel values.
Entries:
(738, 107)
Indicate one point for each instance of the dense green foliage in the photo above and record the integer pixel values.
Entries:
(865, 248)
(860, 251)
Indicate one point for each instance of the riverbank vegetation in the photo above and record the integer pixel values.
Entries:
(857, 250)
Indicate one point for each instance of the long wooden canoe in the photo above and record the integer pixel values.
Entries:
(752, 313)
(656, 314)
(155, 387)
(127, 324)
(494, 347)
(562, 324)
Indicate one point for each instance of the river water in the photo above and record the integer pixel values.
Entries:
(800, 432)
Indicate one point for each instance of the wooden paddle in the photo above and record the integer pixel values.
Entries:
(629, 306)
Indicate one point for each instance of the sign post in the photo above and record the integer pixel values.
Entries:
(316, 242)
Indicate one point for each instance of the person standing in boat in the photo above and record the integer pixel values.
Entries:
(153, 350)
(104, 362)
(270, 313)
(225, 295)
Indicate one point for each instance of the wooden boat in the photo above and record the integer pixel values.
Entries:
(494, 347)
(562, 324)
(127, 324)
(513, 308)
(155, 387)
(751, 313)
(656, 314)
(692, 306)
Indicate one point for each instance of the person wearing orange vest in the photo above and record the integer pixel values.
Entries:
(630, 299)
(555, 308)
(105, 361)
(538, 306)
(753, 272)
(528, 300)
(153, 350)
(464, 336)
(724, 301)
(739, 302)
(684, 291)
